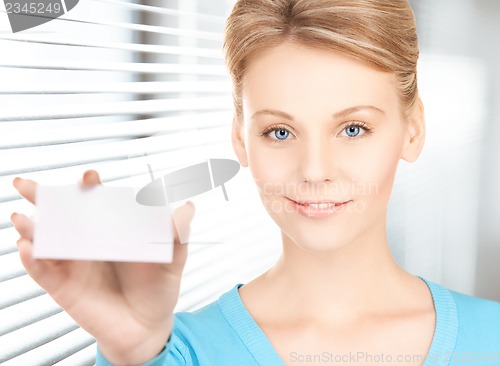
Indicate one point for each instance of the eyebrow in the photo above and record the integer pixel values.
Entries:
(273, 112)
(342, 113)
(358, 108)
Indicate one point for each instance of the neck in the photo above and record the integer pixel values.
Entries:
(355, 279)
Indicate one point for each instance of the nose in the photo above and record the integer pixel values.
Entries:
(317, 162)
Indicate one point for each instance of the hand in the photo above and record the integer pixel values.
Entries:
(127, 307)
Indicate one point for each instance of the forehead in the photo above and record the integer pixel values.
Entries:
(294, 77)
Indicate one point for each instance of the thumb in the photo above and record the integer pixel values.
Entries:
(182, 217)
(181, 227)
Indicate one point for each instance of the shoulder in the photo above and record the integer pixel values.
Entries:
(477, 307)
(465, 324)
(205, 336)
(478, 329)
(477, 315)
(208, 319)
(469, 311)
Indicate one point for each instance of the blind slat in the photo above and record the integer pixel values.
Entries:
(54, 351)
(212, 87)
(8, 238)
(146, 48)
(179, 32)
(117, 108)
(27, 312)
(16, 136)
(166, 11)
(34, 335)
(129, 67)
(10, 266)
(44, 158)
(85, 357)
(17, 290)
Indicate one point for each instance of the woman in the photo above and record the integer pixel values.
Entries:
(326, 104)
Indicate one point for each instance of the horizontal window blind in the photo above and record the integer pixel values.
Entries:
(116, 86)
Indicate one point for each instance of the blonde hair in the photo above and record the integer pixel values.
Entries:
(380, 33)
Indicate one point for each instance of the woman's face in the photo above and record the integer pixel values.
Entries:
(322, 135)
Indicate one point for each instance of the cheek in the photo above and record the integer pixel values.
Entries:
(270, 167)
(374, 171)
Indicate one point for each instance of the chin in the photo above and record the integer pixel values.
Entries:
(315, 243)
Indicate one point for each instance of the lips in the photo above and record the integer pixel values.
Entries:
(319, 209)
(320, 204)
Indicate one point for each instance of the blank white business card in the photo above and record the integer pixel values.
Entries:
(101, 223)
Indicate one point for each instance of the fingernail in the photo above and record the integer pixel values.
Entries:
(16, 181)
(14, 214)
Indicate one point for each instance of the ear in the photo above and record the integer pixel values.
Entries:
(239, 143)
(414, 134)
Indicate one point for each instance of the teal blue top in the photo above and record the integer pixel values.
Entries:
(223, 333)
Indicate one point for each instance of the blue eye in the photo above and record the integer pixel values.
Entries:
(353, 130)
(281, 134)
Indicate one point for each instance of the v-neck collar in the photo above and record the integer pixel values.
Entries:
(257, 343)
(247, 329)
(446, 330)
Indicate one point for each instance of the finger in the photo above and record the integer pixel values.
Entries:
(36, 268)
(26, 187)
(90, 179)
(181, 220)
(23, 225)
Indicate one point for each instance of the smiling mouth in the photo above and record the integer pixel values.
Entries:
(319, 209)
(319, 204)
